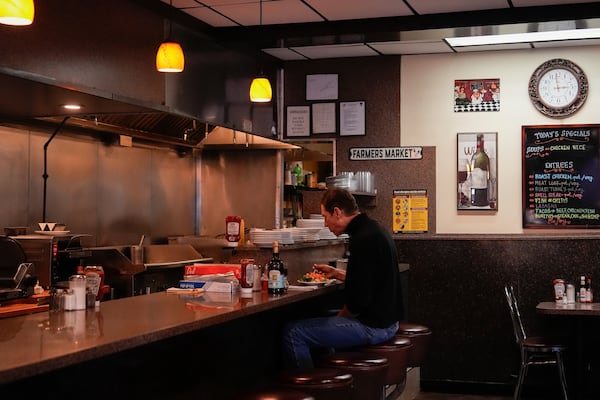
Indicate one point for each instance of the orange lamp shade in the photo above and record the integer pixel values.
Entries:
(16, 12)
(260, 90)
(169, 57)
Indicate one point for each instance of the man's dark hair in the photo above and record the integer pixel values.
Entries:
(341, 198)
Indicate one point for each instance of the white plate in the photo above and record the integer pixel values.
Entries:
(328, 281)
(53, 233)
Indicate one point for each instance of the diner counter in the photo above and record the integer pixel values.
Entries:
(38, 343)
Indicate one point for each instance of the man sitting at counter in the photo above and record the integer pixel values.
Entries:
(372, 292)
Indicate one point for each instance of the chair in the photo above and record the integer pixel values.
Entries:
(368, 370)
(321, 383)
(535, 350)
(420, 337)
(397, 351)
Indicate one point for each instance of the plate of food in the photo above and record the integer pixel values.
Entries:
(314, 278)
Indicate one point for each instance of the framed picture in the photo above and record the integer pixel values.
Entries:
(352, 118)
(322, 87)
(298, 121)
(477, 95)
(323, 118)
(477, 166)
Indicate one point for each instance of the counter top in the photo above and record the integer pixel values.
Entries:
(39, 343)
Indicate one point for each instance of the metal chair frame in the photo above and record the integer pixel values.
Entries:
(534, 350)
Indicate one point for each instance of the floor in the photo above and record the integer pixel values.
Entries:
(444, 396)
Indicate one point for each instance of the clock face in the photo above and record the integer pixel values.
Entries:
(558, 88)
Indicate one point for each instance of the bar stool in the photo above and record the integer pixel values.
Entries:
(420, 337)
(274, 394)
(397, 351)
(368, 369)
(322, 383)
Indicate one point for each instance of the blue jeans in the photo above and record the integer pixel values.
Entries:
(300, 337)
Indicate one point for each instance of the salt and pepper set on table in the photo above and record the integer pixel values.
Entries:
(566, 294)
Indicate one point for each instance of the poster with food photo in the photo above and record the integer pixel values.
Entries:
(473, 95)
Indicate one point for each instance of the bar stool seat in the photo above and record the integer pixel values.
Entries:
(420, 337)
(322, 383)
(397, 351)
(275, 394)
(368, 369)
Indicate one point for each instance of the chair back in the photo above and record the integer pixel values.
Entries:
(515, 315)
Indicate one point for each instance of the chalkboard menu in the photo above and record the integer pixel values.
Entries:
(560, 176)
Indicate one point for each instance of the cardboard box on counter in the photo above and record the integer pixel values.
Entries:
(209, 269)
(213, 283)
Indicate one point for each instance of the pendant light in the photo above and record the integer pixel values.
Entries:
(169, 57)
(16, 12)
(260, 89)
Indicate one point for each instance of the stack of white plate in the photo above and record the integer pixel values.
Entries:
(300, 235)
(325, 233)
(266, 237)
(310, 223)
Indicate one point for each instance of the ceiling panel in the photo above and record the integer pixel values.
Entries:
(493, 47)
(283, 53)
(567, 43)
(359, 9)
(335, 51)
(440, 6)
(533, 3)
(305, 27)
(411, 47)
(273, 12)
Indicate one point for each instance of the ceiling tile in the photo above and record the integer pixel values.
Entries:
(532, 3)
(283, 53)
(273, 12)
(440, 6)
(359, 9)
(210, 17)
(568, 43)
(412, 47)
(492, 47)
(183, 3)
(335, 51)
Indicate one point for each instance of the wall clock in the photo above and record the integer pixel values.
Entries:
(558, 88)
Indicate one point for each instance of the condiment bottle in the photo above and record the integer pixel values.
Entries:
(247, 275)
(276, 272)
(232, 230)
(582, 290)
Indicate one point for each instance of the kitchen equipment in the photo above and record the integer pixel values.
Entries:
(55, 257)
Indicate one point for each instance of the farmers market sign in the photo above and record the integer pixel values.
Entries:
(386, 153)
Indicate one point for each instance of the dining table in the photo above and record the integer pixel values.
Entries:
(581, 314)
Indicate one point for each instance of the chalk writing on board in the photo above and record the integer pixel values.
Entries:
(560, 176)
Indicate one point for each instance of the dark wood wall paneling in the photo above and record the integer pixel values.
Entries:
(456, 288)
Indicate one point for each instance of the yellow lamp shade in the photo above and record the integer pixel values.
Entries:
(169, 57)
(260, 90)
(16, 12)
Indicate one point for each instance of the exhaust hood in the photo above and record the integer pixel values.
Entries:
(31, 100)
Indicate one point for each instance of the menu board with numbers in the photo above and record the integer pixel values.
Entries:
(561, 172)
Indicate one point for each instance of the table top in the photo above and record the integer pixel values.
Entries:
(37, 343)
(573, 309)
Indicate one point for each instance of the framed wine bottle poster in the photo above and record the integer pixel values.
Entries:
(477, 166)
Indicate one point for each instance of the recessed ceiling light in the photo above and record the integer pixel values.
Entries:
(72, 107)
(571, 34)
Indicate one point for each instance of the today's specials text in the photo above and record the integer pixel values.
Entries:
(560, 176)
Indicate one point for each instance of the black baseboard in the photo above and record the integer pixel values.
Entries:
(465, 387)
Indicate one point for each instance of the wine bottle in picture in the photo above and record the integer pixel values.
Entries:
(480, 175)
(276, 272)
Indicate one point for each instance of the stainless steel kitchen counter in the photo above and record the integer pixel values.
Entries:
(38, 343)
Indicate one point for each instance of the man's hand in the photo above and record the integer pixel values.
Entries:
(330, 272)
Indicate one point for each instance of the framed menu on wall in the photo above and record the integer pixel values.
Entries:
(561, 169)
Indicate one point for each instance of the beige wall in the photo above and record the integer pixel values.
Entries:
(428, 119)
